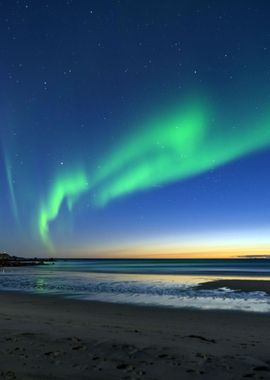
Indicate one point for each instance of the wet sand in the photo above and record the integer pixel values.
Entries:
(238, 285)
(45, 337)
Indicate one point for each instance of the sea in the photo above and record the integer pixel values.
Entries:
(163, 283)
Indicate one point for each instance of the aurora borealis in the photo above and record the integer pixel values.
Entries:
(66, 187)
(117, 146)
(173, 149)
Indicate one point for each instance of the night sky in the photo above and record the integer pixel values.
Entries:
(134, 127)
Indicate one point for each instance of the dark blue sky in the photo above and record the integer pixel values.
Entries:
(80, 77)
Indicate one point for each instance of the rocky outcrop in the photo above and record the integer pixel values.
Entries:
(13, 261)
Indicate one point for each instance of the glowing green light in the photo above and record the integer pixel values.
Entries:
(180, 130)
(65, 187)
(183, 145)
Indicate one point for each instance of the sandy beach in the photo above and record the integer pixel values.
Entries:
(43, 337)
(238, 285)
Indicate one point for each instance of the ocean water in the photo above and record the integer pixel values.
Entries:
(170, 283)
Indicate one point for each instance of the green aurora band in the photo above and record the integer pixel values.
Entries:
(174, 149)
(179, 145)
(66, 187)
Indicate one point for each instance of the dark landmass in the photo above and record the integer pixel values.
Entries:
(238, 285)
(14, 261)
(254, 257)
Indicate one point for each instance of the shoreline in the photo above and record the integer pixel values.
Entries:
(49, 337)
(234, 294)
(7, 261)
(140, 306)
(237, 284)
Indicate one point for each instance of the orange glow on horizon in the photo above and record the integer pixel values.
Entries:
(204, 252)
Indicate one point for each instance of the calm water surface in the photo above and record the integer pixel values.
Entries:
(152, 282)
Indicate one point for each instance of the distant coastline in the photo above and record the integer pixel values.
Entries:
(7, 260)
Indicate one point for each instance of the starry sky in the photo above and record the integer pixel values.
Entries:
(135, 128)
